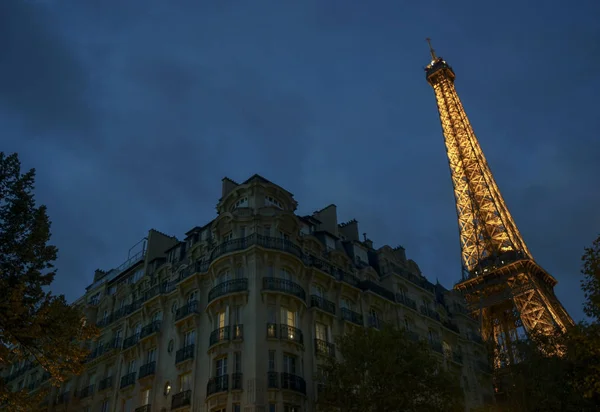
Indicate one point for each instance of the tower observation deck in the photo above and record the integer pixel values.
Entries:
(504, 286)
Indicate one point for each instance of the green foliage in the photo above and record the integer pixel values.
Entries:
(34, 324)
(383, 370)
(591, 280)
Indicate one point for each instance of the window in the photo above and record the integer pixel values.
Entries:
(321, 331)
(223, 277)
(127, 405)
(236, 407)
(137, 329)
(286, 274)
(157, 316)
(272, 407)
(271, 201)
(105, 405)
(137, 275)
(167, 389)
(407, 324)
(347, 304)
(237, 362)
(145, 397)
(288, 317)
(243, 202)
(271, 314)
(151, 355)
(374, 318)
(192, 297)
(221, 367)
(236, 315)
(289, 364)
(228, 236)
(271, 360)
(131, 366)
(242, 232)
(239, 272)
(291, 408)
(284, 235)
(267, 231)
(95, 299)
(318, 290)
(185, 382)
(189, 338)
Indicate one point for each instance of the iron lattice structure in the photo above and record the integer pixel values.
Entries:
(503, 285)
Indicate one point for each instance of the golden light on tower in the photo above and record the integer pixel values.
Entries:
(503, 285)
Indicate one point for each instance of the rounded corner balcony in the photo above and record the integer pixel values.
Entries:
(272, 284)
(226, 289)
(224, 335)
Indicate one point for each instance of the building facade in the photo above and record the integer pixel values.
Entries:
(239, 314)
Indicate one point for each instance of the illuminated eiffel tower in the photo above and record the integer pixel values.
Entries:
(504, 286)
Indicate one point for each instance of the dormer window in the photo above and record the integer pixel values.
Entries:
(243, 202)
(270, 201)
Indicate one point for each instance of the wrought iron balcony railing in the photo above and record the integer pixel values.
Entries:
(144, 408)
(219, 335)
(187, 352)
(188, 309)
(322, 303)
(236, 381)
(181, 399)
(105, 383)
(322, 347)
(228, 287)
(131, 341)
(284, 285)
(150, 329)
(293, 382)
(86, 392)
(352, 316)
(291, 333)
(430, 313)
(272, 380)
(147, 369)
(127, 380)
(217, 384)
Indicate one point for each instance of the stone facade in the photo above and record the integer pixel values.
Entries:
(238, 315)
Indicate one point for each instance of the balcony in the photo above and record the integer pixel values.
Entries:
(236, 381)
(291, 333)
(185, 353)
(150, 329)
(187, 310)
(369, 285)
(322, 347)
(272, 381)
(351, 316)
(406, 301)
(217, 384)
(322, 303)
(285, 286)
(86, 392)
(147, 370)
(131, 341)
(449, 325)
(293, 383)
(430, 313)
(219, 335)
(227, 288)
(144, 408)
(476, 338)
(128, 380)
(105, 383)
(181, 399)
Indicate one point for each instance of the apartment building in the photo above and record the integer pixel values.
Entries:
(238, 315)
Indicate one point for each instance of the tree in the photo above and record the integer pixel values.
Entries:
(35, 325)
(591, 280)
(383, 370)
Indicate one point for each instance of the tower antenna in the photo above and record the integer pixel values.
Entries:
(433, 56)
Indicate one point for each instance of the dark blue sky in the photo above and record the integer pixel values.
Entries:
(132, 112)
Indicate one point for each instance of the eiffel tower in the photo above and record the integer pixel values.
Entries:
(504, 286)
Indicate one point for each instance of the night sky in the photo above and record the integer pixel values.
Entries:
(133, 111)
